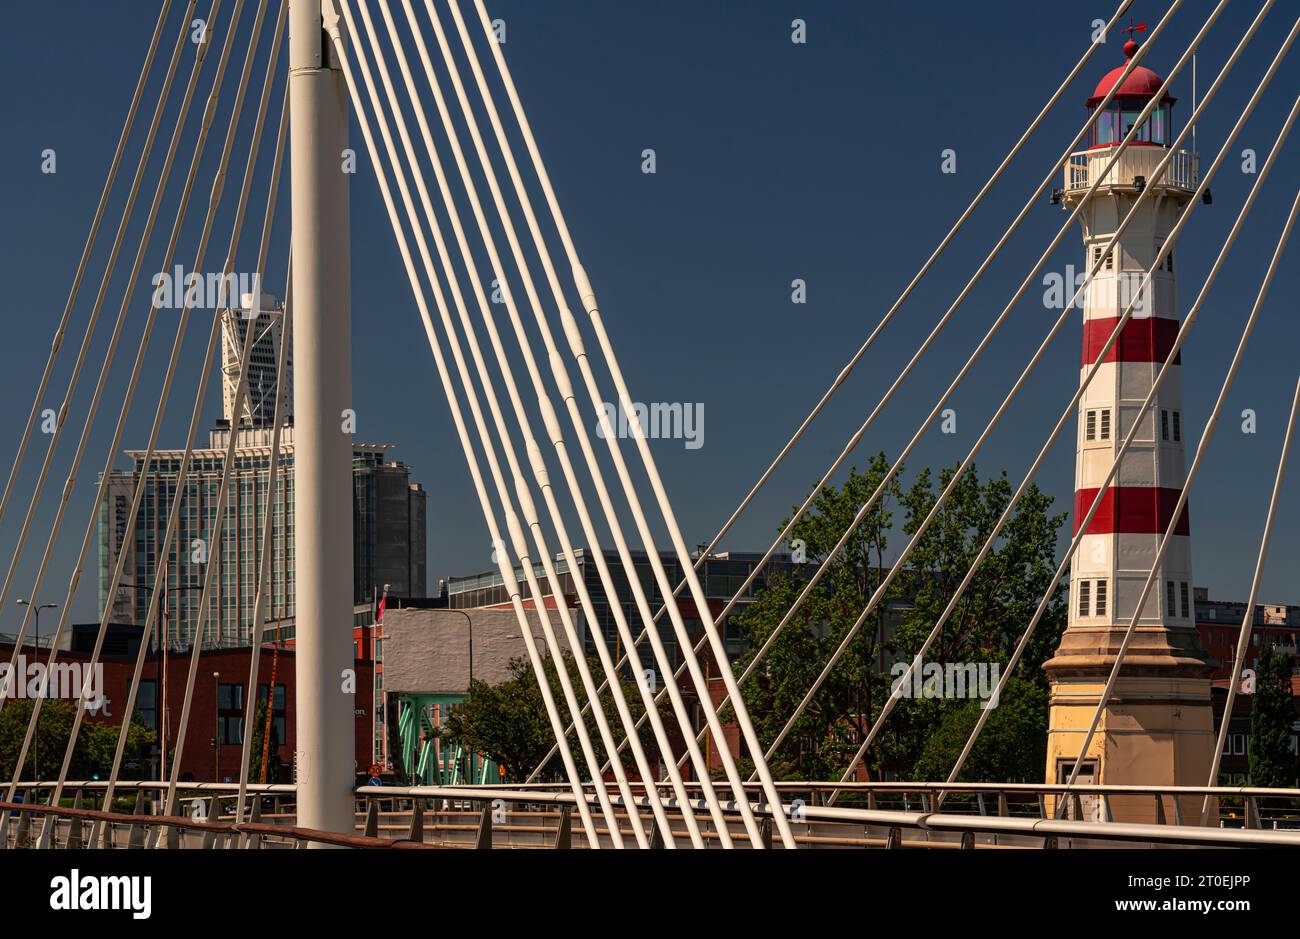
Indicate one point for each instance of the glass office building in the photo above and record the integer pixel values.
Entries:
(388, 535)
(388, 510)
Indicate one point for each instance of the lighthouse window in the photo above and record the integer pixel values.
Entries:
(1119, 118)
(1088, 590)
(1105, 424)
(1182, 593)
(1156, 126)
(1171, 604)
(1109, 263)
(1090, 431)
(1106, 130)
(1169, 261)
(1164, 425)
(1178, 426)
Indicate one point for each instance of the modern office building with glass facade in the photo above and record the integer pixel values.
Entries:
(388, 510)
(388, 535)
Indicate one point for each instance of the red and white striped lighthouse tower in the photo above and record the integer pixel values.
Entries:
(1157, 728)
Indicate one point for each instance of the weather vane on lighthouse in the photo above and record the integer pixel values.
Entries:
(1131, 29)
(1131, 46)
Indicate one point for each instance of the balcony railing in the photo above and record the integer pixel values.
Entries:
(1082, 168)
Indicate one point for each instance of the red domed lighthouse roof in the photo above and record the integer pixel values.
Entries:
(1140, 83)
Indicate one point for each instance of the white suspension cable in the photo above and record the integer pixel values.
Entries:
(264, 575)
(526, 506)
(132, 383)
(583, 437)
(111, 264)
(555, 436)
(257, 631)
(34, 717)
(889, 315)
(173, 522)
(96, 219)
(501, 556)
(541, 477)
(213, 562)
(573, 335)
(1248, 620)
(173, 363)
(539, 467)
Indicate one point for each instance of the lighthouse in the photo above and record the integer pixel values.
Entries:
(1157, 728)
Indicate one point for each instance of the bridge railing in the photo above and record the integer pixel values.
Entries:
(1231, 806)
(30, 825)
(538, 816)
(874, 814)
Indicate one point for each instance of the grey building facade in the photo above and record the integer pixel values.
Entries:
(388, 535)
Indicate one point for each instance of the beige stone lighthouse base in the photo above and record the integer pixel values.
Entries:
(1157, 730)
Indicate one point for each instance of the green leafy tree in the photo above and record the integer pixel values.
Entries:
(984, 627)
(1272, 712)
(508, 724)
(96, 742)
(1020, 717)
(841, 713)
(99, 744)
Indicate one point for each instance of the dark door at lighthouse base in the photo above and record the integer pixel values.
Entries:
(1089, 806)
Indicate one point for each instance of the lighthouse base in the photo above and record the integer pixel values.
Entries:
(1157, 729)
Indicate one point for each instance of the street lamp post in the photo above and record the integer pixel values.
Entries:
(469, 622)
(36, 738)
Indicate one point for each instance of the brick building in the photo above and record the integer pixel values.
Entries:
(212, 747)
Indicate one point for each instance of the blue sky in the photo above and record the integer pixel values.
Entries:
(775, 161)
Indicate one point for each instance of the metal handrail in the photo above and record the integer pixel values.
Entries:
(923, 821)
(957, 788)
(186, 823)
(1182, 172)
